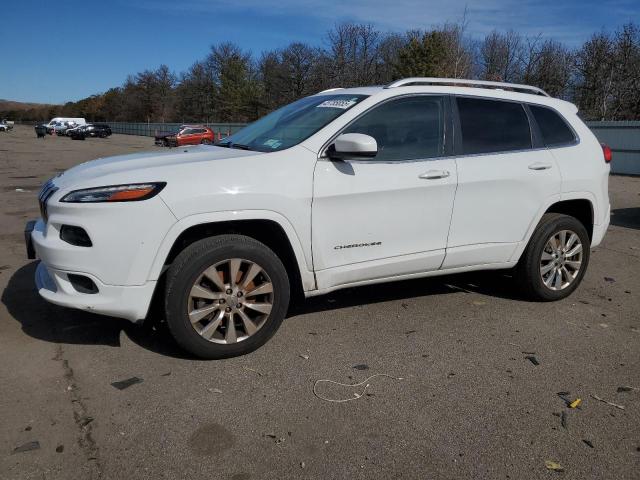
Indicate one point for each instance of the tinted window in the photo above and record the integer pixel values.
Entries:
(405, 129)
(492, 126)
(554, 129)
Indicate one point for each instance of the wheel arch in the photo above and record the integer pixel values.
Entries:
(579, 208)
(274, 232)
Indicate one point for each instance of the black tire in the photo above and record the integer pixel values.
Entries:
(190, 264)
(527, 272)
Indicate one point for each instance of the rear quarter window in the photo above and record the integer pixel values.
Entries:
(554, 129)
(491, 126)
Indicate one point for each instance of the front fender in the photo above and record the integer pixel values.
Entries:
(303, 256)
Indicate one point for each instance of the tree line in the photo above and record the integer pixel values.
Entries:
(602, 76)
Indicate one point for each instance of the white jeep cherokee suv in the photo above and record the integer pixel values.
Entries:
(347, 187)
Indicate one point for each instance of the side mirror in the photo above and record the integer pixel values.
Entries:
(353, 145)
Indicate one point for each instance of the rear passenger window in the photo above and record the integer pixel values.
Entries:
(405, 129)
(555, 131)
(492, 126)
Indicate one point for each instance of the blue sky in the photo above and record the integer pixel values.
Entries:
(56, 51)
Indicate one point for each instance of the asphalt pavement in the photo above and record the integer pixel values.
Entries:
(482, 380)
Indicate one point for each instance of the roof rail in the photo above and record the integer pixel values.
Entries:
(467, 83)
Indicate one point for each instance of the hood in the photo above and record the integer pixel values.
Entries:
(143, 167)
(166, 134)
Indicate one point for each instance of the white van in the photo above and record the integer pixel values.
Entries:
(60, 120)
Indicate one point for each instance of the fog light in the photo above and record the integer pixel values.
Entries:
(82, 284)
(75, 236)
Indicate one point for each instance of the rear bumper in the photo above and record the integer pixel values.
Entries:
(130, 302)
(600, 229)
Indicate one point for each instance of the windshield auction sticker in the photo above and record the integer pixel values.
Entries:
(336, 103)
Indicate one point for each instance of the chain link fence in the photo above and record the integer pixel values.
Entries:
(153, 129)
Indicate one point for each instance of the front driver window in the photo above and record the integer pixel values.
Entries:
(408, 128)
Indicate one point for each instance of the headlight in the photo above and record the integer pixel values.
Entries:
(115, 193)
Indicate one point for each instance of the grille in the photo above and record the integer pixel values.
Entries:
(48, 189)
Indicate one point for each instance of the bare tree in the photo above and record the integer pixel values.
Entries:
(595, 76)
(354, 53)
(501, 56)
(548, 65)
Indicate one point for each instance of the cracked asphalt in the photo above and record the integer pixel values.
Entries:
(472, 403)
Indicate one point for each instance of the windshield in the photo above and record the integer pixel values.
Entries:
(291, 124)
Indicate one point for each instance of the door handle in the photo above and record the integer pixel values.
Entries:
(434, 174)
(540, 166)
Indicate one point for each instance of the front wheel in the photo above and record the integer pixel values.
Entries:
(225, 296)
(555, 260)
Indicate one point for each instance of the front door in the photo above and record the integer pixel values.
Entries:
(389, 215)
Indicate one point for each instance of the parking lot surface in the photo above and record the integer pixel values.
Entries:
(486, 377)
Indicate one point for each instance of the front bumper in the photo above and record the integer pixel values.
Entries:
(131, 302)
(115, 267)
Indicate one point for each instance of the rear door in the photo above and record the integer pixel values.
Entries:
(389, 215)
(505, 176)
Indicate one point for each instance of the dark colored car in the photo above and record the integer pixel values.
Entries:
(100, 130)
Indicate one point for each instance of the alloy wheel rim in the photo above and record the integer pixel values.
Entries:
(230, 301)
(561, 260)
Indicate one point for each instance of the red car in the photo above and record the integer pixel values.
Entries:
(191, 135)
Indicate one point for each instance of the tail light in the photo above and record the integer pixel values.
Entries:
(608, 155)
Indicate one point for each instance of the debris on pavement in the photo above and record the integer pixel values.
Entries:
(27, 447)
(575, 403)
(214, 390)
(355, 396)
(361, 366)
(166, 374)
(122, 384)
(84, 421)
(588, 443)
(621, 407)
(252, 370)
(60, 449)
(306, 357)
(555, 466)
(563, 420)
(610, 279)
(626, 388)
(533, 359)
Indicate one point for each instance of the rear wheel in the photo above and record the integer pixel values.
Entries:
(555, 260)
(225, 296)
